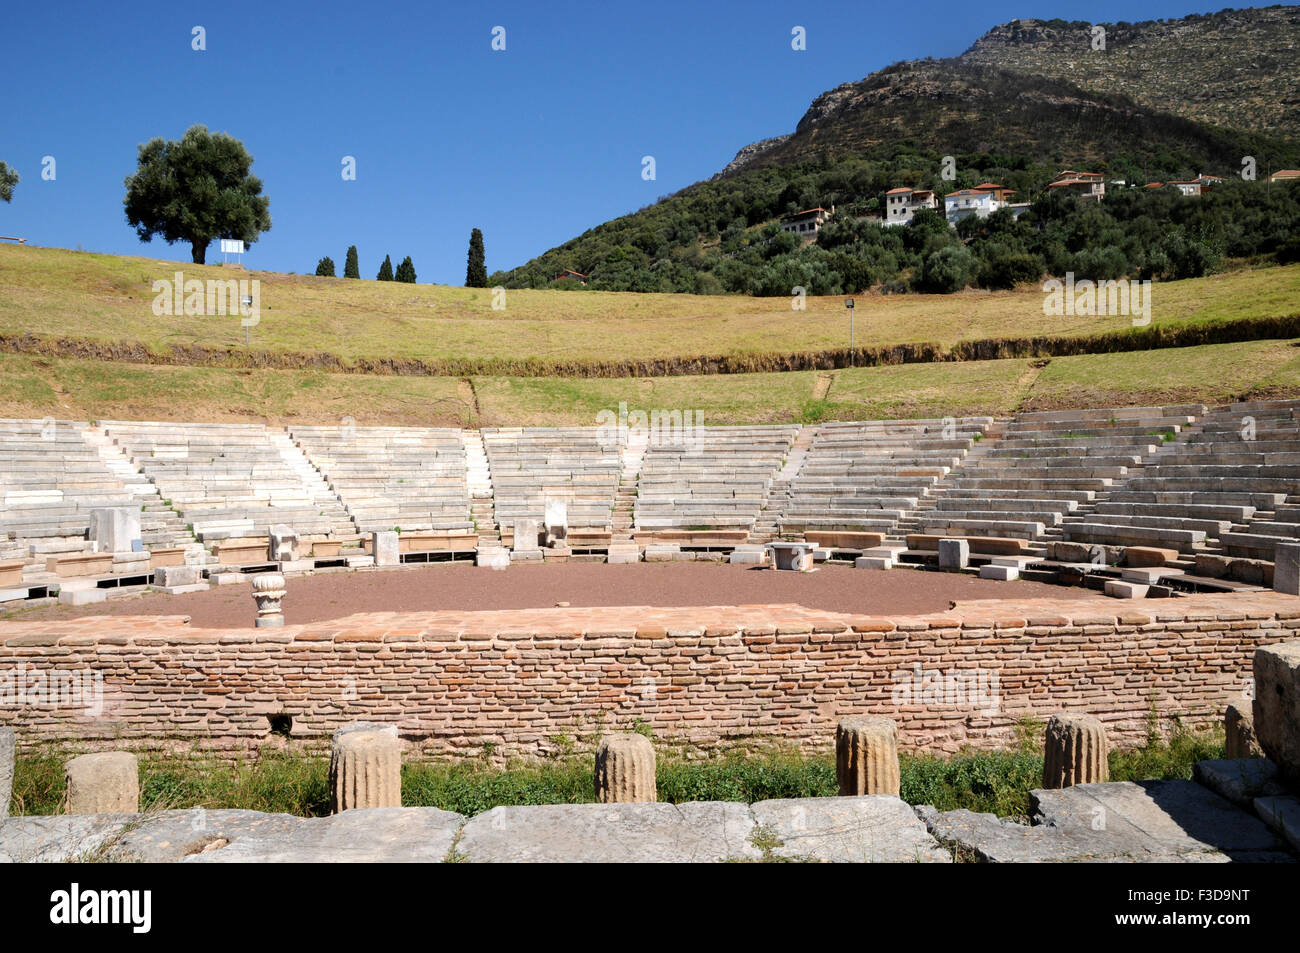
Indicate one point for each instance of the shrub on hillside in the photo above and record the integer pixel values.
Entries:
(946, 270)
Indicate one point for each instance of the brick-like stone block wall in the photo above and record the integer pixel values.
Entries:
(454, 682)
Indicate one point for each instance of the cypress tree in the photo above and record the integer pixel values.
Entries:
(406, 271)
(385, 270)
(476, 271)
(325, 267)
(350, 268)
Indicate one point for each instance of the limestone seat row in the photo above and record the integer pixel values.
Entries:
(1044, 470)
(232, 481)
(868, 475)
(408, 477)
(579, 466)
(719, 481)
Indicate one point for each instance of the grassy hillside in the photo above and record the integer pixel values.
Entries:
(1234, 68)
(79, 389)
(72, 304)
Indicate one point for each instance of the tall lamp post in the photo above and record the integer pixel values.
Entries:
(848, 303)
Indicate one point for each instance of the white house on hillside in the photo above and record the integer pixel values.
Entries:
(808, 222)
(902, 203)
(967, 202)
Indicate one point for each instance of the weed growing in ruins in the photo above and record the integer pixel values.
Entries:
(1167, 759)
(983, 781)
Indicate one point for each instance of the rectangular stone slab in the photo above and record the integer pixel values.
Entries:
(698, 831)
(712, 537)
(11, 573)
(876, 829)
(1276, 707)
(421, 542)
(1178, 816)
(235, 552)
(88, 564)
(844, 539)
(988, 545)
(158, 558)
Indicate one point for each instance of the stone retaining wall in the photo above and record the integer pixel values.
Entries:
(529, 681)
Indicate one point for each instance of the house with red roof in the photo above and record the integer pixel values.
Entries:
(808, 223)
(1088, 186)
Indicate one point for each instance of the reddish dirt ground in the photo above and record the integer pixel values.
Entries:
(467, 587)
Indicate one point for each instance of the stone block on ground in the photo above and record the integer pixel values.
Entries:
(556, 521)
(1001, 573)
(82, 597)
(954, 553)
(103, 783)
(693, 832)
(1286, 568)
(874, 562)
(746, 556)
(622, 555)
(1122, 589)
(115, 529)
(526, 536)
(385, 547)
(1239, 733)
(1148, 556)
(1276, 707)
(1066, 551)
(876, 829)
(1147, 575)
(171, 576)
(493, 558)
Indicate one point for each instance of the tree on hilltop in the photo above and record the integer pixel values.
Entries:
(406, 271)
(325, 267)
(8, 179)
(196, 190)
(350, 267)
(385, 270)
(476, 271)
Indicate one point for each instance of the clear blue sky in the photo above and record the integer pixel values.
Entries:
(534, 145)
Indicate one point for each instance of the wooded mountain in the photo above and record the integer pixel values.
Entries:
(1234, 68)
(1005, 110)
